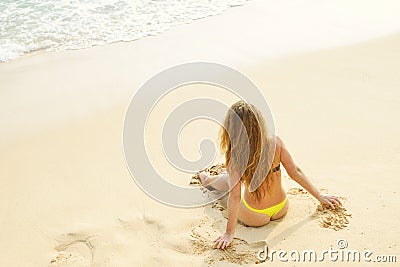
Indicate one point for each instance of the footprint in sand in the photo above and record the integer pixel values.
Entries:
(74, 250)
(106, 246)
(150, 222)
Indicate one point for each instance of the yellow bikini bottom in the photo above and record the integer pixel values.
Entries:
(271, 211)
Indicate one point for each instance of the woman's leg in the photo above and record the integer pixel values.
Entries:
(219, 182)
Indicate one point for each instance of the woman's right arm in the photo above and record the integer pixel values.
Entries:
(298, 175)
(233, 208)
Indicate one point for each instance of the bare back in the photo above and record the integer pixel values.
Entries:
(275, 195)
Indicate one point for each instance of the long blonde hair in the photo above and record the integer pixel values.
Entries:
(243, 138)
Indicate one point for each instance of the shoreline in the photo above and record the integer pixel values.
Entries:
(377, 25)
(139, 20)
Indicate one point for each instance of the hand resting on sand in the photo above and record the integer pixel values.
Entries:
(223, 241)
(330, 200)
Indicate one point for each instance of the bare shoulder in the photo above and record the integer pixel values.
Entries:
(278, 147)
(279, 143)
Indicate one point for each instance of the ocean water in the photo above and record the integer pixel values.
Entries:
(31, 25)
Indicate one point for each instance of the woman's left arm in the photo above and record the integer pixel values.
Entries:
(233, 207)
(298, 175)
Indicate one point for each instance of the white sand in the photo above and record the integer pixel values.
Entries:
(67, 197)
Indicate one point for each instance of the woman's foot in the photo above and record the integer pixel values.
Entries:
(205, 178)
(214, 182)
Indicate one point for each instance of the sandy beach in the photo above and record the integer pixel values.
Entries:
(67, 198)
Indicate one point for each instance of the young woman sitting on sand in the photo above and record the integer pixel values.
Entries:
(257, 206)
